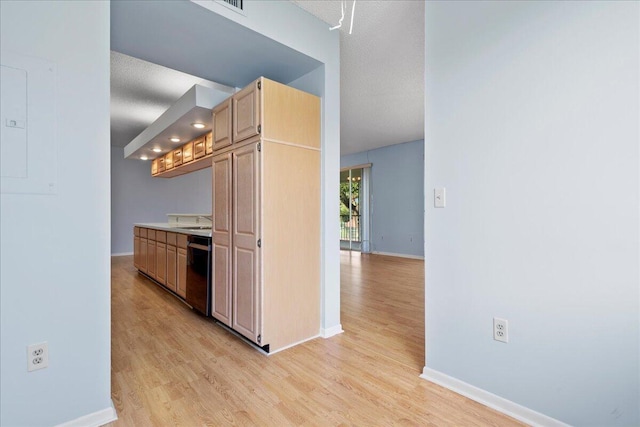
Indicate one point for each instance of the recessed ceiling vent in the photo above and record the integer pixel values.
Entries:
(235, 3)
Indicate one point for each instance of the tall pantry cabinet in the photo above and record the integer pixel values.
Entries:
(266, 214)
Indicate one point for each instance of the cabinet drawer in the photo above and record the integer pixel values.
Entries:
(160, 161)
(151, 235)
(199, 149)
(143, 233)
(161, 236)
(177, 157)
(187, 152)
(182, 240)
(171, 238)
(168, 161)
(136, 231)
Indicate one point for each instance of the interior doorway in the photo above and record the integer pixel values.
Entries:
(354, 209)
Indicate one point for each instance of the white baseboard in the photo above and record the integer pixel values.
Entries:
(398, 255)
(292, 345)
(500, 404)
(329, 332)
(95, 419)
(123, 254)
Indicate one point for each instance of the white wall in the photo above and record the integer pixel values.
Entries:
(138, 197)
(54, 261)
(532, 114)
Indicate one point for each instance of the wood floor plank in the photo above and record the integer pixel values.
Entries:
(172, 366)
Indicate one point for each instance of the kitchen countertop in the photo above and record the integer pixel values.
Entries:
(165, 226)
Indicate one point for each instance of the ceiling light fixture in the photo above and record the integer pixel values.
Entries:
(198, 125)
(157, 150)
(144, 158)
(174, 139)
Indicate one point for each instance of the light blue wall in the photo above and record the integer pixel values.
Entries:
(54, 256)
(532, 127)
(397, 196)
(138, 197)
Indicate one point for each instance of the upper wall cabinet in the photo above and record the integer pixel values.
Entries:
(192, 156)
(246, 112)
(222, 125)
(263, 108)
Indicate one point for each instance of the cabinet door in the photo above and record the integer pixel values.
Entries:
(187, 152)
(171, 268)
(221, 239)
(154, 167)
(136, 252)
(151, 258)
(160, 161)
(161, 262)
(199, 148)
(246, 112)
(208, 142)
(222, 125)
(177, 157)
(246, 232)
(168, 161)
(142, 260)
(182, 273)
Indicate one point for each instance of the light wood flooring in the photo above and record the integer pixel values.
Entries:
(171, 366)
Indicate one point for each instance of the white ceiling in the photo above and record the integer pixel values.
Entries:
(382, 66)
(141, 92)
(381, 71)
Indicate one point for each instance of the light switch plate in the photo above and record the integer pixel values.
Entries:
(439, 200)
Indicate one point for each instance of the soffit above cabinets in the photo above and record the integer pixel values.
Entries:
(193, 107)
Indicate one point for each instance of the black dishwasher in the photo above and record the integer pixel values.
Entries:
(199, 273)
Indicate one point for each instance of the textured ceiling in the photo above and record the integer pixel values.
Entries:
(153, 39)
(141, 92)
(382, 71)
(382, 65)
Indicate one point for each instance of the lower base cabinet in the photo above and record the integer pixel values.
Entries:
(172, 260)
(181, 283)
(162, 256)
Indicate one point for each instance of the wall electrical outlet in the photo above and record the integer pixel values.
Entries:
(37, 356)
(500, 329)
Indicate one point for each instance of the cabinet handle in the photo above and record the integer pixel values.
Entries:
(259, 243)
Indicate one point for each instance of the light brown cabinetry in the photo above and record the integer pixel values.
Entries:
(168, 161)
(162, 256)
(221, 239)
(199, 149)
(187, 152)
(192, 156)
(177, 157)
(266, 257)
(151, 253)
(136, 247)
(171, 262)
(181, 283)
(246, 112)
(208, 142)
(222, 125)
